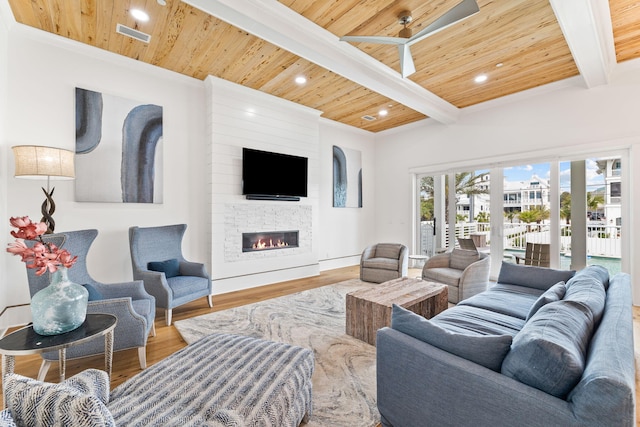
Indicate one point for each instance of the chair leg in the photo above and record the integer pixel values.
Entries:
(210, 300)
(167, 315)
(44, 368)
(153, 329)
(142, 357)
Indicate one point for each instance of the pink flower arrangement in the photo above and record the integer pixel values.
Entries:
(41, 255)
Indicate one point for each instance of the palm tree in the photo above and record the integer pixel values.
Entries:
(483, 217)
(565, 206)
(510, 215)
(594, 201)
(466, 183)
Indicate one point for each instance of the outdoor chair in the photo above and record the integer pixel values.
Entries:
(133, 307)
(384, 261)
(156, 258)
(537, 254)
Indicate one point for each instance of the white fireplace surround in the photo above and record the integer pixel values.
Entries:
(255, 218)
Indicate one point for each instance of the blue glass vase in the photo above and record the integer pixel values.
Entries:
(60, 307)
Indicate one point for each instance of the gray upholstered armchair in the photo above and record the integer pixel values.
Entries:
(384, 261)
(134, 308)
(173, 280)
(465, 272)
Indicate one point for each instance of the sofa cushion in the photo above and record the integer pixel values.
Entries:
(534, 277)
(549, 352)
(446, 275)
(511, 300)
(485, 350)
(388, 250)
(381, 263)
(78, 401)
(461, 258)
(467, 319)
(554, 293)
(170, 267)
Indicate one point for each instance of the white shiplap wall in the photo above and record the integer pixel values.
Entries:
(242, 117)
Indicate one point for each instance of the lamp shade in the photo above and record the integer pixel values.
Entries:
(35, 161)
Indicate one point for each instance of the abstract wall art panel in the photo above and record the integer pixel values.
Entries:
(347, 178)
(118, 149)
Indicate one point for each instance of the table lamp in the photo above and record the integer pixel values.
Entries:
(37, 162)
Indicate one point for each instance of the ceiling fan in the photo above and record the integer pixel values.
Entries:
(406, 38)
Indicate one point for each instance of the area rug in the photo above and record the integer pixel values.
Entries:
(344, 380)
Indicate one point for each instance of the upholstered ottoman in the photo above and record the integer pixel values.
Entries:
(220, 380)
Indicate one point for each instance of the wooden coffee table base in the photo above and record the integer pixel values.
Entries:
(368, 310)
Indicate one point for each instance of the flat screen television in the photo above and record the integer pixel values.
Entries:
(273, 176)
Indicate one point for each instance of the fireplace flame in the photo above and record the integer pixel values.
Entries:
(262, 244)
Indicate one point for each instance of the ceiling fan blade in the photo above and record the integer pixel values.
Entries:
(374, 39)
(462, 10)
(406, 61)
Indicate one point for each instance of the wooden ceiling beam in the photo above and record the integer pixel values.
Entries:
(272, 21)
(586, 26)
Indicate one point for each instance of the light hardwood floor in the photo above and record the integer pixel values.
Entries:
(168, 340)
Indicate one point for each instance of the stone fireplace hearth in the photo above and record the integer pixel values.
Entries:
(276, 225)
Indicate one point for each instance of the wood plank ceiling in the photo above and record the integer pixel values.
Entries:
(518, 44)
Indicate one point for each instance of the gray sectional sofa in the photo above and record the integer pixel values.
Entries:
(541, 347)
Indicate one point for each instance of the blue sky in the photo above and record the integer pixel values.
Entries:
(525, 172)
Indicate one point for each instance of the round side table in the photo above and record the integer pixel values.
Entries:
(26, 341)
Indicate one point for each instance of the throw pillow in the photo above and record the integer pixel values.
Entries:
(170, 267)
(532, 277)
(462, 258)
(554, 293)
(549, 352)
(94, 294)
(588, 291)
(388, 250)
(72, 402)
(485, 350)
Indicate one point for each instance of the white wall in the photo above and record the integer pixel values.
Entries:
(242, 117)
(563, 119)
(345, 231)
(43, 71)
(4, 228)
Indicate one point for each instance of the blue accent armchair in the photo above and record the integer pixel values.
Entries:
(134, 308)
(164, 243)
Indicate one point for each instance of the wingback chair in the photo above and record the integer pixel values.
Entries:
(134, 308)
(384, 261)
(156, 258)
(465, 272)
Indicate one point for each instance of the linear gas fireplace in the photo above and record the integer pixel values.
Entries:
(269, 240)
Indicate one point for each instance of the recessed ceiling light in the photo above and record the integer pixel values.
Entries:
(162, 2)
(481, 78)
(140, 15)
(383, 112)
(301, 80)
(499, 64)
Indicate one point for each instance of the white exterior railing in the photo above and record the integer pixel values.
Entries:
(602, 240)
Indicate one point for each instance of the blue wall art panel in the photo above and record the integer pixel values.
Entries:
(118, 149)
(347, 178)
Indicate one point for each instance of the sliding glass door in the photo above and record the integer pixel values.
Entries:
(574, 206)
